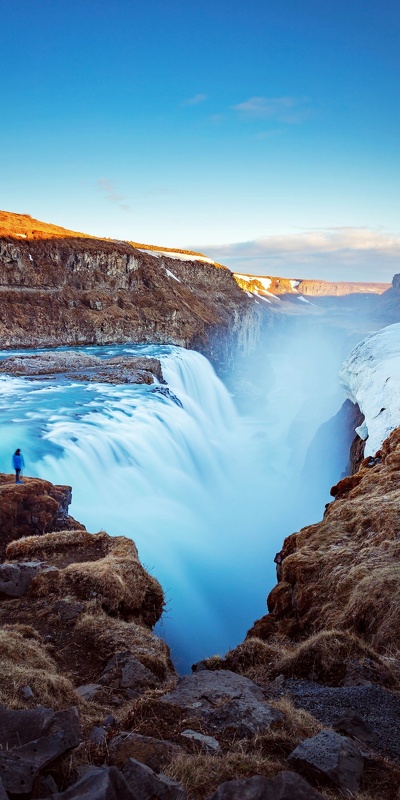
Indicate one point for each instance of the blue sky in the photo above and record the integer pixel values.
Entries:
(227, 126)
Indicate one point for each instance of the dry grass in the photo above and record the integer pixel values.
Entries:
(201, 774)
(110, 635)
(94, 565)
(24, 661)
(343, 573)
(61, 543)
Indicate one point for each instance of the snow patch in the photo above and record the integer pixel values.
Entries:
(265, 282)
(294, 285)
(304, 300)
(171, 275)
(30, 257)
(176, 255)
(370, 377)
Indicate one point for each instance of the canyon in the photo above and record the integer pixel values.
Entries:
(307, 705)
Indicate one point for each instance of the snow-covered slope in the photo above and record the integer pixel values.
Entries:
(371, 377)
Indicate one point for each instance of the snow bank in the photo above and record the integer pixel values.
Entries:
(177, 255)
(371, 377)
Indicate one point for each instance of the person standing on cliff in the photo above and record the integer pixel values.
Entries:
(18, 464)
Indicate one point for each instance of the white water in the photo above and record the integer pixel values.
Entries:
(206, 494)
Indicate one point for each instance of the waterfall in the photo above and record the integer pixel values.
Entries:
(195, 484)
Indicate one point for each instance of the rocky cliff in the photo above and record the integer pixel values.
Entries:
(90, 704)
(62, 289)
(277, 286)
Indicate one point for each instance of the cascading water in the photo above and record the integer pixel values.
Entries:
(195, 484)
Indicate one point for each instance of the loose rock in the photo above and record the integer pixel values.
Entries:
(329, 759)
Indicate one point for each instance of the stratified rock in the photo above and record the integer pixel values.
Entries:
(106, 291)
(98, 783)
(284, 786)
(224, 699)
(207, 742)
(146, 785)
(329, 759)
(155, 753)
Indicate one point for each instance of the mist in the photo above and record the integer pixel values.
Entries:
(206, 481)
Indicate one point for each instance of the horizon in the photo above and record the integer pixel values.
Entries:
(265, 136)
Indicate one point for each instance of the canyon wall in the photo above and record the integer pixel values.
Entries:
(71, 290)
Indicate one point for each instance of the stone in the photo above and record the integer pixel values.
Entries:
(109, 721)
(98, 783)
(15, 579)
(27, 693)
(146, 785)
(329, 759)
(20, 766)
(30, 740)
(88, 691)
(155, 753)
(223, 700)
(208, 742)
(351, 724)
(44, 786)
(23, 726)
(284, 786)
(125, 671)
(97, 735)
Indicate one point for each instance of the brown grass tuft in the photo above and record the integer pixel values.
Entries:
(24, 661)
(110, 635)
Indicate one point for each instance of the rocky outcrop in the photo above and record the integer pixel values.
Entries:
(34, 508)
(59, 289)
(90, 704)
(82, 367)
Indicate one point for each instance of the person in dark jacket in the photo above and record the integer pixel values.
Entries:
(18, 464)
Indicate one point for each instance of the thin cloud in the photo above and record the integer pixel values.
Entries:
(341, 253)
(195, 100)
(112, 194)
(291, 110)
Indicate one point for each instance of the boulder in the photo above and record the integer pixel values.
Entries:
(155, 753)
(284, 786)
(223, 699)
(21, 765)
(146, 785)
(32, 739)
(351, 724)
(23, 726)
(329, 759)
(98, 783)
(125, 671)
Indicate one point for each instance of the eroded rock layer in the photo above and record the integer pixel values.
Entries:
(61, 289)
